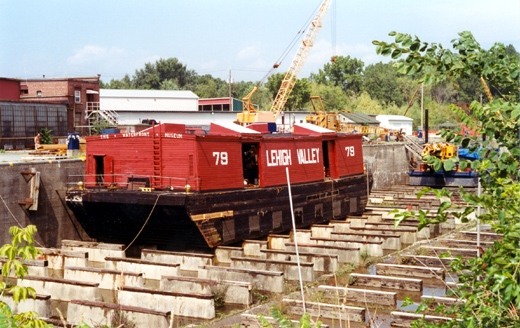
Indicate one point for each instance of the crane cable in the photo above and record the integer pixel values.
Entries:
(291, 44)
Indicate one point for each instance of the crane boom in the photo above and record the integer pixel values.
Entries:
(250, 116)
(299, 60)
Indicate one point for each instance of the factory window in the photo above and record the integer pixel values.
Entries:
(77, 96)
(39, 93)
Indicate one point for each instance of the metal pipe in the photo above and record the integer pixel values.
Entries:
(295, 239)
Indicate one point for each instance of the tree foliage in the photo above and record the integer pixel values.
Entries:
(381, 83)
(299, 96)
(344, 72)
(20, 249)
(490, 284)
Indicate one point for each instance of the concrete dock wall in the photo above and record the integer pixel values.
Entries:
(388, 163)
(58, 259)
(53, 220)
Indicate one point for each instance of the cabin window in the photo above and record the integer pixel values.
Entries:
(298, 216)
(318, 211)
(100, 170)
(250, 164)
(325, 152)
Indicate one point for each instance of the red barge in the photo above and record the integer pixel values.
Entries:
(173, 186)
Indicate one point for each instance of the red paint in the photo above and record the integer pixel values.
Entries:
(9, 89)
(214, 161)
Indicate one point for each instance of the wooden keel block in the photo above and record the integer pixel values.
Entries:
(367, 280)
(410, 271)
(373, 297)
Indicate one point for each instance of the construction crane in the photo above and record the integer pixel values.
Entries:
(249, 114)
(331, 120)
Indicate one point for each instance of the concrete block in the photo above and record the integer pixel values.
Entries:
(96, 251)
(108, 279)
(410, 271)
(187, 261)
(234, 292)
(290, 269)
(149, 269)
(179, 304)
(223, 254)
(379, 281)
(345, 254)
(326, 311)
(97, 313)
(268, 281)
(38, 268)
(58, 258)
(253, 247)
(62, 289)
(322, 263)
(40, 304)
(277, 241)
(301, 236)
(321, 231)
(374, 248)
(373, 297)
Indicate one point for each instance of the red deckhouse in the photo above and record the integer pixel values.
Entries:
(226, 185)
(215, 160)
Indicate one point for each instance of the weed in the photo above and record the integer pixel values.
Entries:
(258, 297)
(218, 290)
(423, 251)
(366, 259)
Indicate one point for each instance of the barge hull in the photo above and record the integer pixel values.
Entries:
(214, 218)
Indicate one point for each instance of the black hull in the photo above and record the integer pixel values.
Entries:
(201, 219)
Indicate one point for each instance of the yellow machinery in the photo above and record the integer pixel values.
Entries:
(331, 120)
(249, 114)
(440, 150)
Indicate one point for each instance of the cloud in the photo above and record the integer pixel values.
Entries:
(93, 53)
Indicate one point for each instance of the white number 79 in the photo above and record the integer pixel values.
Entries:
(221, 158)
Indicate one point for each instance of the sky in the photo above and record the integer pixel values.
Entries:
(70, 38)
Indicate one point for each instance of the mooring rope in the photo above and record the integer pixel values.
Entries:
(145, 222)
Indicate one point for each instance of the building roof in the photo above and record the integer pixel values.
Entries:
(394, 117)
(124, 93)
(360, 118)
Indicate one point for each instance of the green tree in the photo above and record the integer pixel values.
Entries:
(345, 72)
(490, 284)
(20, 249)
(46, 136)
(381, 83)
(153, 75)
(334, 99)
(299, 96)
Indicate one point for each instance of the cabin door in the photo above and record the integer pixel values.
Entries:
(329, 164)
(250, 164)
(100, 170)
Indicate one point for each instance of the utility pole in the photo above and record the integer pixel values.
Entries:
(229, 84)
(422, 111)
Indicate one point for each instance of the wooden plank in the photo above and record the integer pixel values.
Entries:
(461, 242)
(363, 296)
(431, 261)
(464, 252)
(434, 301)
(405, 319)
(409, 270)
(484, 236)
(326, 311)
(378, 281)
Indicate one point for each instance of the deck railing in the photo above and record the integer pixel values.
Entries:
(131, 182)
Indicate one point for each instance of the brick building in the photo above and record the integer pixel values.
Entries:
(77, 94)
(9, 89)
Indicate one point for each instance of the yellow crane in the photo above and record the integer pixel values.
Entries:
(249, 114)
(331, 120)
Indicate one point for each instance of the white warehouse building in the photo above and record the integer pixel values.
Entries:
(133, 106)
(396, 122)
